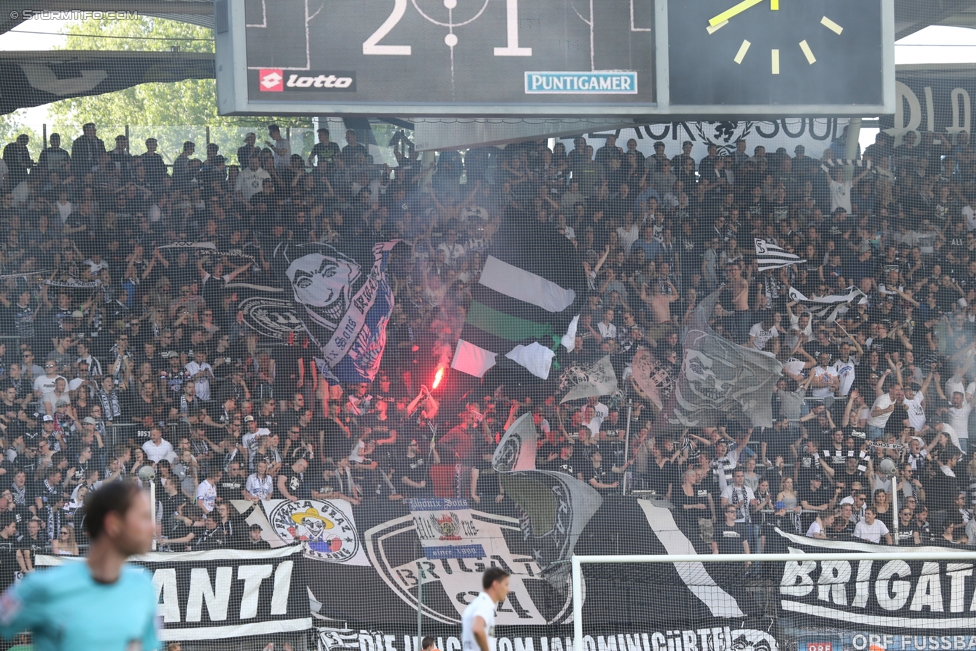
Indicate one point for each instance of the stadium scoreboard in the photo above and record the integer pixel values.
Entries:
(555, 58)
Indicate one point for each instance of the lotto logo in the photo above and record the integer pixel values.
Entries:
(271, 80)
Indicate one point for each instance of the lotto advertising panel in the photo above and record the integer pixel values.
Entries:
(494, 56)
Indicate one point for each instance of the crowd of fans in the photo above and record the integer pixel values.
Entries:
(122, 353)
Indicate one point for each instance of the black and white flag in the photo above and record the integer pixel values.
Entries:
(863, 163)
(827, 308)
(585, 382)
(772, 256)
(719, 378)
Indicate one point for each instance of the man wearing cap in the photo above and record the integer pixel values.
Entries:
(252, 434)
(254, 539)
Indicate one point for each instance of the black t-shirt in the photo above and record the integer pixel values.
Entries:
(8, 560)
(731, 539)
(351, 152)
(209, 539)
(325, 152)
(170, 506)
(297, 485)
(906, 535)
(660, 478)
(39, 545)
(603, 474)
(569, 466)
(814, 498)
(415, 469)
(229, 488)
(256, 544)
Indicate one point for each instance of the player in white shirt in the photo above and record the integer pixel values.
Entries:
(478, 619)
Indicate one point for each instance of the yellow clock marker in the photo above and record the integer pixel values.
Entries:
(807, 52)
(831, 25)
(732, 12)
(741, 54)
(774, 5)
(712, 30)
(775, 54)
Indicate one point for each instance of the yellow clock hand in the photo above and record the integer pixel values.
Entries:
(733, 11)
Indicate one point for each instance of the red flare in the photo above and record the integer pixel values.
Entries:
(437, 378)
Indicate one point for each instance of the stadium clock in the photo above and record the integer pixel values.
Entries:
(787, 52)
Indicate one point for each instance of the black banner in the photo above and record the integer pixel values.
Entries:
(36, 78)
(935, 98)
(924, 596)
(721, 638)
(225, 593)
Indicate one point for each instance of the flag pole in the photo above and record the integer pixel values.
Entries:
(630, 409)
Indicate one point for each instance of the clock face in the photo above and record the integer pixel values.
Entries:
(776, 52)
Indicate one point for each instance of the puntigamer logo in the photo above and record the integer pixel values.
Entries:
(581, 83)
(276, 80)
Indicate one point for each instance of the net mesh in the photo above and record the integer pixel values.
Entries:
(839, 600)
(324, 351)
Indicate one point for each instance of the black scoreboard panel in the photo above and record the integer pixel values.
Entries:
(641, 59)
(493, 56)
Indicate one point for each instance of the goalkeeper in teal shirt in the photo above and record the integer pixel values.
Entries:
(100, 603)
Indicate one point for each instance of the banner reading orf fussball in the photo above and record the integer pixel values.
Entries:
(343, 300)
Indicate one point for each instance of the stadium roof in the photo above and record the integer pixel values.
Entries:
(910, 15)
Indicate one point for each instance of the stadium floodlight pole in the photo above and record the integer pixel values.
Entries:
(420, 605)
(892, 473)
(630, 409)
(152, 500)
(850, 150)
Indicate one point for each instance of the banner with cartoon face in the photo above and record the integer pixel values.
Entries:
(342, 299)
(326, 529)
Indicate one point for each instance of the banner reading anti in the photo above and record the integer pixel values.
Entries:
(224, 593)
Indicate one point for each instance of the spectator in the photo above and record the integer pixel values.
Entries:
(870, 529)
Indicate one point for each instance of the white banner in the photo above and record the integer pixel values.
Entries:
(326, 529)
